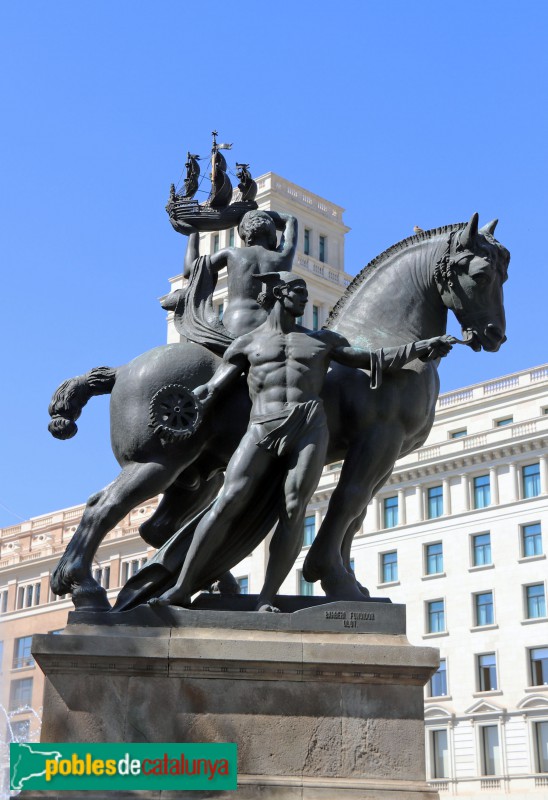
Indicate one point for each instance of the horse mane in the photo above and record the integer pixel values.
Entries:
(380, 260)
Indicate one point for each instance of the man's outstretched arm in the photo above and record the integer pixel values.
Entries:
(393, 358)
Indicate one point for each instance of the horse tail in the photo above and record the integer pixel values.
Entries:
(71, 396)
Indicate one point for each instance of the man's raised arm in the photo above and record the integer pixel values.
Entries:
(290, 227)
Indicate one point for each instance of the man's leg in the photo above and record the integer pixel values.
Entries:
(305, 468)
(244, 474)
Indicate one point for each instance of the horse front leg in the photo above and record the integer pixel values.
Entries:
(370, 458)
(73, 574)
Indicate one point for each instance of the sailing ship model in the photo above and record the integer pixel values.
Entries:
(222, 209)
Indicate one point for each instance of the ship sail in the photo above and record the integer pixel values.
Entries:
(221, 187)
(192, 176)
(221, 210)
(247, 185)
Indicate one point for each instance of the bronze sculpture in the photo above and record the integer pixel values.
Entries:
(402, 296)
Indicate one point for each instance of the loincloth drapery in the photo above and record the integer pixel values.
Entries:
(277, 433)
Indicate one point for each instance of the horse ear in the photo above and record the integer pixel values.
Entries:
(490, 227)
(466, 239)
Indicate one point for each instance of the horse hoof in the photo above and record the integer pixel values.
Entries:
(90, 597)
(311, 574)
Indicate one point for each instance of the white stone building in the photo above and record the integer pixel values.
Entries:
(459, 533)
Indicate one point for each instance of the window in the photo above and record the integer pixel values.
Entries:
(21, 653)
(458, 434)
(102, 576)
(482, 492)
(130, 568)
(541, 745)
(216, 243)
(487, 672)
(221, 311)
(437, 686)
(20, 693)
(434, 558)
(307, 241)
(435, 502)
(309, 530)
(531, 540)
(323, 248)
(304, 587)
(389, 567)
(535, 599)
(231, 238)
(531, 480)
(539, 666)
(243, 583)
(490, 750)
(484, 608)
(20, 730)
(435, 616)
(440, 754)
(28, 595)
(3, 601)
(390, 512)
(315, 318)
(481, 549)
(500, 423)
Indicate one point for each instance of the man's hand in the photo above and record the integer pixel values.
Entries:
(430, 349)
(203, 395)
(182, 227)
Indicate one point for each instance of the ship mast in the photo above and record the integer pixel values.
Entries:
(213, 154)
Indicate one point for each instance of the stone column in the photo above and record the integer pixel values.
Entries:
(544, 474)
(446, 497)
(375, 514)
(421, 502)
(317, 521)
(514, 484)
(494, 486)
(402, 511)
(468, 504)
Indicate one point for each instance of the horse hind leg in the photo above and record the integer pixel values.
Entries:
(135, 484)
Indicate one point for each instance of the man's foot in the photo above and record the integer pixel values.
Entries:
(268, 607)
(173, 597)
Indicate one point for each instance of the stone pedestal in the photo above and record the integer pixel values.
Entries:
(325, 703)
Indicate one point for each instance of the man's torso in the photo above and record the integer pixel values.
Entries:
(285, 369)
(243, 313)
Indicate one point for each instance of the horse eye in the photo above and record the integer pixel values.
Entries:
(481, 279)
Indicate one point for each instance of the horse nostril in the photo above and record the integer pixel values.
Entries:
(493, 332)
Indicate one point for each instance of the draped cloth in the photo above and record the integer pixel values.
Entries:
(277, 433)
(388, 359)
(194, 315)
(160, 572)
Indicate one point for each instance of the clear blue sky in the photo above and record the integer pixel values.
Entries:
(404, 113)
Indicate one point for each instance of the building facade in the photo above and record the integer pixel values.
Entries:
(459, 534)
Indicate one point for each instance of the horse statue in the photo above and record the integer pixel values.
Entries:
(403, 295)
